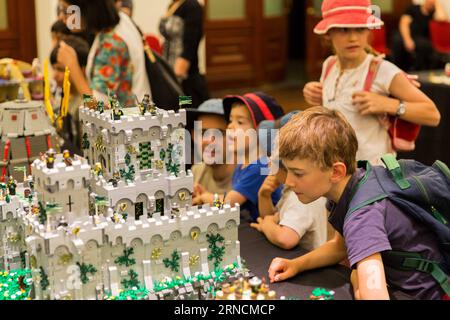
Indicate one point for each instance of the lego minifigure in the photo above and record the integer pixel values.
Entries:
(100, 107)
(50, 158)
(175, 211)
(115, 179)
(63, 222)
(67, 158)
(218, 203)
(12, 185)
(98, 171)
(152, 108)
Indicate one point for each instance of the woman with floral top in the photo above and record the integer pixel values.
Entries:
(116, 63)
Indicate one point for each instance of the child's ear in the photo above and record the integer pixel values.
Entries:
(339, 172)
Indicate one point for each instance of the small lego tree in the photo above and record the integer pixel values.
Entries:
(84, 270)
(173, 263)
(132, 282)
(126, 258)
(44, 279)
(128, 175)
(42, 214)
(128, 159)
(85, 144)
(217, 252)
(173, 168)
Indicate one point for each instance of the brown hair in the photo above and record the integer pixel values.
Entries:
(322, 136)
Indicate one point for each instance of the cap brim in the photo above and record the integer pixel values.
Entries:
(192, 115)
(346, 20)
(228, 103)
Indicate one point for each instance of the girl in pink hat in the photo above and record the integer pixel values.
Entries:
(362, 86)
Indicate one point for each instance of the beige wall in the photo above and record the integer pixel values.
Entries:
(146, 14)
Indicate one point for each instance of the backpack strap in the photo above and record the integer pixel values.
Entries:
(331, 63)
(360, 199)
(394, 167)
(372, 73)
(410, 261)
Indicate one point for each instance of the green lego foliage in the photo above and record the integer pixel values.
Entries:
(44, 279)
(217, 252)
(173, 263)
(126, 259)
(132, 282)
(84, 270)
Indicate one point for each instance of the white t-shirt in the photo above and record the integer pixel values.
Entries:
(373, 138)
(308, 220)
(130, 34)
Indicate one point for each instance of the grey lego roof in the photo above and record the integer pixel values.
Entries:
(27, 118)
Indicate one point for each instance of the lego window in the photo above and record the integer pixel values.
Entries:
(157, 240)
(160, 206)
(176, 235)
(195, 233)
(231, 224)
(213, 228)
(138, 210)
(182, 196)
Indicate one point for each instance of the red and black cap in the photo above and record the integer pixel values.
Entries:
(261, 106)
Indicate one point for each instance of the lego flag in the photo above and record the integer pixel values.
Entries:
(185, 100)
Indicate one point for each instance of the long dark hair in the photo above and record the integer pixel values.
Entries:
(98, 15)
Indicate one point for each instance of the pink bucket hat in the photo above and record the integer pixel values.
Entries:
(347, 14)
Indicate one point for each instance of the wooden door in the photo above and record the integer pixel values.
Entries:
(274, 39)
(18, 30)
(246, 42)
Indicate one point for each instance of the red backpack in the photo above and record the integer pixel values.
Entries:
(403, 133)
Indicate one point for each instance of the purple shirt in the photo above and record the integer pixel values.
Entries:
(383, 227)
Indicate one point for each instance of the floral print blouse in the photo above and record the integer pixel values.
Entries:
(112, 70)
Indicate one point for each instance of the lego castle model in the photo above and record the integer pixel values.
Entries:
(118, 219)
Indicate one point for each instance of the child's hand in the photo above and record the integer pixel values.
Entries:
(262, 223)
(67, 56)
(198, 190)
(269, 186)
(204, 198)
(371, 103)
(313, 93)
(281, 270)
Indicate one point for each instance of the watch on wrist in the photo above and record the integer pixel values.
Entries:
(401, 109)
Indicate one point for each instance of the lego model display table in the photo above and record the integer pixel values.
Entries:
(432, 142)
(259, 253)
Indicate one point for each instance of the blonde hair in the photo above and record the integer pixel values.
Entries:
(320, 135)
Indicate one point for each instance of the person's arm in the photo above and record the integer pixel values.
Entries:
(331, 253)
(281, 236)
(439, 12)
(68, 57)
(371, 279)
(405, 31)
(193, 18)
(265, 203)
(419, 108)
